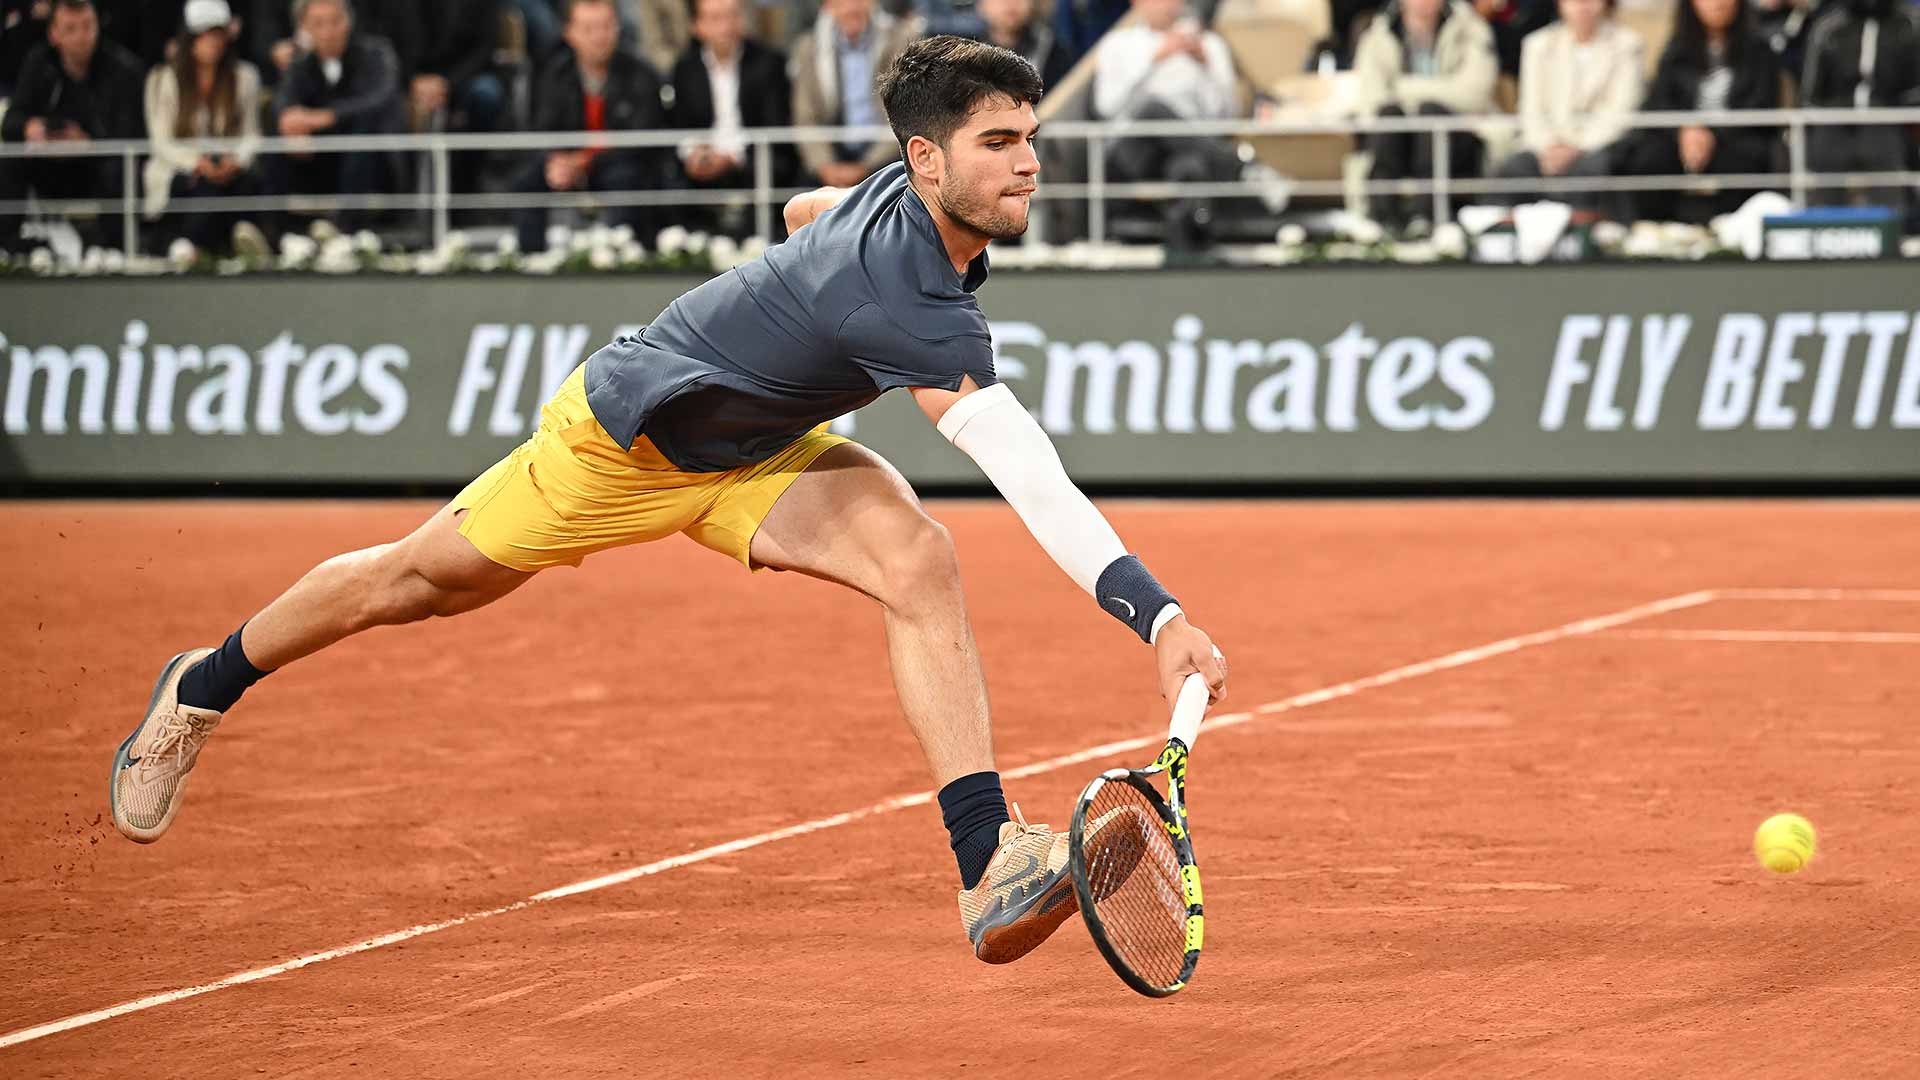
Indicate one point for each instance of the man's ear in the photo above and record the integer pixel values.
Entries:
(925, 159)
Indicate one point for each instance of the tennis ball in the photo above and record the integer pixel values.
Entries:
(1784, 843)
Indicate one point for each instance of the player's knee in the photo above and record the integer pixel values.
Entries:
(919, 564)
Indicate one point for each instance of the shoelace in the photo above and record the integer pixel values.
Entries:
(1021, 827)
(179, 737)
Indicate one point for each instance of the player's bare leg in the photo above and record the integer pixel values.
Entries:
(433, 571)
(852, 519)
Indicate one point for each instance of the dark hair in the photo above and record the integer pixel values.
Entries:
(938, 82)
(72, 5)
(1689, 42)
(566, 9)
(223, 103)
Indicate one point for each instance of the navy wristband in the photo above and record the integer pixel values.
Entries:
(1128, 591)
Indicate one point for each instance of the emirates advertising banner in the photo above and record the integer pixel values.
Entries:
(1623, 373)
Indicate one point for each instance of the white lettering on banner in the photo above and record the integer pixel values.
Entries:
(1882, 328)
(1772, 413)
(1661, 339)
(476, 376)
(154, 385)
(505, 419)
(1398, 381)
(1837, 328)
(1906, 400)
(1731, 371)
(562, 348)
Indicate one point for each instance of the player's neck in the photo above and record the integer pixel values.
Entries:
(963, 244)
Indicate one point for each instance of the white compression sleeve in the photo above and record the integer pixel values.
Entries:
(996, 431)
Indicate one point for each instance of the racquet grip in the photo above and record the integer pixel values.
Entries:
(1189, 709)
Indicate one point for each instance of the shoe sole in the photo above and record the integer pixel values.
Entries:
(143, 836)
(1018, 931)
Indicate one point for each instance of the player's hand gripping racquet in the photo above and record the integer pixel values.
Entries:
(1132, 862)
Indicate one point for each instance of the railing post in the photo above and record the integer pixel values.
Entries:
(129, 218)
(763, 188)
(1097, 189)
(1442, 172)
(442, 189)
(1797, 160)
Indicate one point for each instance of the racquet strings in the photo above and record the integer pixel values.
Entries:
(1133, 871)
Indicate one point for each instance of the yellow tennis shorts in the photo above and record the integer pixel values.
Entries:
(570, 491)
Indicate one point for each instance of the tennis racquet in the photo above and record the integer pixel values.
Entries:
(1132, 862)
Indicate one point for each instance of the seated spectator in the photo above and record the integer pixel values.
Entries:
(1863, 54)
(23, 28)
(592, 86)
(1078, 25)
(346, 83)
(1426, 58)
(724, 83)
(1715, 61)
(1010, 24)
(834, 68)
(73, 89)
(657, 31)
(1512, 22)
(205, 91)
(1580, 81)
(452, 86)
(1165, 67)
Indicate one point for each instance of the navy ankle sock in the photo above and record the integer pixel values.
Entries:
(217, 681)
(974, 808)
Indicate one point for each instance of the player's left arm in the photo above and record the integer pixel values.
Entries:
(992, 427)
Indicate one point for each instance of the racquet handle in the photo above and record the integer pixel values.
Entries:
(1190, 707)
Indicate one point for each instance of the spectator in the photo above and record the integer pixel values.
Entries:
(1715, 61)
(1430, 58)
(834, 68)
(1011, 25)
(724, 83)
(1580, 81)
(1163, 66)
(962, 19)
(73, 89)
(657, 31)
(1862, 54)
(452, 86)
(1512, 22)
(204, 91)
(1078, 25)
(542, 26)
(344, 84)
(23, 27)
(266, 35)
(592, 86)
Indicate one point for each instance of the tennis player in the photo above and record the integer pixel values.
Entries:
(712, 422)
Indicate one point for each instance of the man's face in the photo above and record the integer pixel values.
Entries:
(851, 16)
(327, 27)
(74, 34)
(1006, 17)
(593, 30)
(717, 24)
(1159, 14)
(990, 169)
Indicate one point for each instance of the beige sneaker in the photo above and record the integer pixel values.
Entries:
(150, 769)
(1024, 896)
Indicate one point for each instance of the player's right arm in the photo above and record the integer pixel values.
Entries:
(807, 205)
(991, 426)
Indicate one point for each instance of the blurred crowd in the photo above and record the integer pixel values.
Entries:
(175, 71)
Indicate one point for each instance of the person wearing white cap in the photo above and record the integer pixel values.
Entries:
(204, 91)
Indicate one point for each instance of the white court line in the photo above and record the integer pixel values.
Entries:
(1837, 637)
(1298, 701)
(1897, 596)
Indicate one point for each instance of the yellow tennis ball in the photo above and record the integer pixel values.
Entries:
(1784, 843)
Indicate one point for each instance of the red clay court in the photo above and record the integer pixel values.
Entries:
(1479, 804)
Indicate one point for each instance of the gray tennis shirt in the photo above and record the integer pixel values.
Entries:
(862, 300)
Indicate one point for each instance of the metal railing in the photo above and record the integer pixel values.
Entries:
(438, 200)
